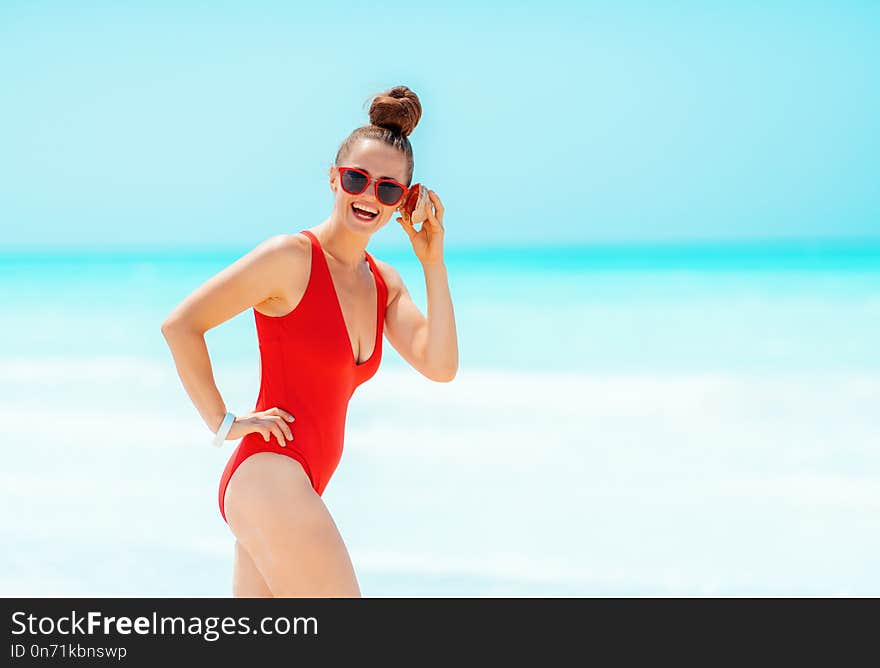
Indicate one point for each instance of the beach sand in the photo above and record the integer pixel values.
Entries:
(499, 483)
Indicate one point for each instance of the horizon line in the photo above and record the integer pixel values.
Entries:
(197, 248)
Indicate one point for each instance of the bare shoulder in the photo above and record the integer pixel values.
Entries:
(289, 244)
(285, 257)
(278, 250)
(290, 266)
(392, 279)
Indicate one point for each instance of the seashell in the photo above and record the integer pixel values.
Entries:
(416, 204)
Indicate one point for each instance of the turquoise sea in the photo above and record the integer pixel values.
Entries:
(678, 419)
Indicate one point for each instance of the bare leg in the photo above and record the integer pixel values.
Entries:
(287, 530)
(247, 582)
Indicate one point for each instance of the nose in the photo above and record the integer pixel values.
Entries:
(369, 196)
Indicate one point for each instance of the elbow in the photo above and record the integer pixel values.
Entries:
(169, 326)
(445, 376)
(175, 327)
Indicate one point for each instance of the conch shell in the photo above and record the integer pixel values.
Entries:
(416, 204)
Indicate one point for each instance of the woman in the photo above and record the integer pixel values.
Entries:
(321, 304)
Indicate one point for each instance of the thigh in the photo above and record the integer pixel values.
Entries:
(287, 530)
(247, 581)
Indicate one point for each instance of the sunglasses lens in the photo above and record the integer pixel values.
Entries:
(389, 193)
(353, 183)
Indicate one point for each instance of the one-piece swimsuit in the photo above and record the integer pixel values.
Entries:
(308, 368)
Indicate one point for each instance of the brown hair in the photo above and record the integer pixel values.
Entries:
(394, 114)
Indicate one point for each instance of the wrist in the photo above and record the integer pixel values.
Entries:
(223, 429)
(215, 421)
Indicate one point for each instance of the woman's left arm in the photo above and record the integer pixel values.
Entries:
(429, 344)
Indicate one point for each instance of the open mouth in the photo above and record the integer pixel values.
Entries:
(364, 213)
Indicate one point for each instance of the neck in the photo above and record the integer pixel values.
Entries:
(346, 247)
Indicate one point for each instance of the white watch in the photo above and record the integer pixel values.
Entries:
(220, 436)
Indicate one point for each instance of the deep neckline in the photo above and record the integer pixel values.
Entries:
(373, 270)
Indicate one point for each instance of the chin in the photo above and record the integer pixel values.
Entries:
(362, 225)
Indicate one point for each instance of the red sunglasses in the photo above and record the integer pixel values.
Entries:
(355, 181)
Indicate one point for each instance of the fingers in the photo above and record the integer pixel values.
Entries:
(274, 422)
(431, 218)
(272, 429)
(406, 223)
(284, 414)
(279, 434)
(434, 220)
(435, 217)
(282, 425)
(437, 203)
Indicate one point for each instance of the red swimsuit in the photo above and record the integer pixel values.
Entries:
(307, 368)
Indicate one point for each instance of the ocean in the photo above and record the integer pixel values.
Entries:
(667, 419)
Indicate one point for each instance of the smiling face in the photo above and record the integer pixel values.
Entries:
(378, 160)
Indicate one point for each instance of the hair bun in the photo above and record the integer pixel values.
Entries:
(397, 109)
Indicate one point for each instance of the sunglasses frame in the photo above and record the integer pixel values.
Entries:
(370, 180)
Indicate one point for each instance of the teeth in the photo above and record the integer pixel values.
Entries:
(364, 208)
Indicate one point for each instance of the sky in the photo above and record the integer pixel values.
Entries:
(213, 124)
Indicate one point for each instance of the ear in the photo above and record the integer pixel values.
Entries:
(332, 175)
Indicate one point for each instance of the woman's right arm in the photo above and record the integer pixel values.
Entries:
(248, 281)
